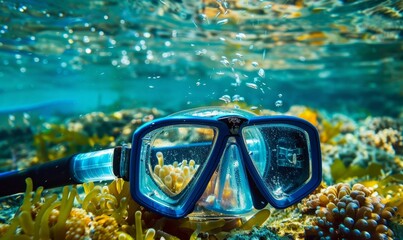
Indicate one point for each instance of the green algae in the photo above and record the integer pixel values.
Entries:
(341, 172)
(73, 141)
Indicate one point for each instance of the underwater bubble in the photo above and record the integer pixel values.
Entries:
(225, 98)
(125, 60)
(280, 95)
(251, 85)
(202, 17)
(278, 103)
(201, 52)
(223, 21)
(147, 35)
(261, 73)
(237, 98)
(86, 39)
(239, 55)
(11, 120)
(237, 79)
(240, 36)
(22, 8)
(225, 62)
(26, 118)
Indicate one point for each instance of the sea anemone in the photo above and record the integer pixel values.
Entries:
(345, 212)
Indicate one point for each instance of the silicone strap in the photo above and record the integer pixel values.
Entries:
(49, 175)
(83, 167)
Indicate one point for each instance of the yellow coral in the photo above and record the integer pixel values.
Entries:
(119, 217)
(310, 115)
(77, 225)
(256, 220)
(174, 177)
(105, 228)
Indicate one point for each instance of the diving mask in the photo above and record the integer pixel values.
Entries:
(223, 160)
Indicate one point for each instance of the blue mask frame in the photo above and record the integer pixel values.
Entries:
(225, 131)
(126, 163)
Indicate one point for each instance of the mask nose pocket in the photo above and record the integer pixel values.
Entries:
(228, 190)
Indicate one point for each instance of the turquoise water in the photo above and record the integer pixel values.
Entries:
(80, 56)
(99, 62)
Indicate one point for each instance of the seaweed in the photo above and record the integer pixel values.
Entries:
(390, 187)
(108, 212)
(70, 141)
(341, 172)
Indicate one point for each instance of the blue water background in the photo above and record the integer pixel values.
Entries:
(80, 56)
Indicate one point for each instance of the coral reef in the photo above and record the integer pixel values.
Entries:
(108, 212)
(348, 212)
(390, 188)
(100, 216)
(383, 133)
(363, 153)
(24, 146)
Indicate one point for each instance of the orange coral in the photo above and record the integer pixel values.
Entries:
(310, 115)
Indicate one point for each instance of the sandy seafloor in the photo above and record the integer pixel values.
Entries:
(78, 76)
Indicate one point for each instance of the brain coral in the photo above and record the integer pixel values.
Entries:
(343, 212)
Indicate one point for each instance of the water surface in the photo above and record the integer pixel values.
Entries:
(105, 55)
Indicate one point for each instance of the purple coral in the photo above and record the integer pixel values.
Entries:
(348, 213)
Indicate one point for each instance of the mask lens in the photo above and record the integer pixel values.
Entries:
(172, 158)
(286, 155)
